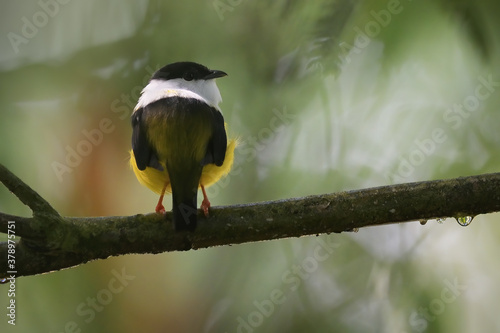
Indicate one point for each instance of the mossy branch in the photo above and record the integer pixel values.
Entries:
(50, 242)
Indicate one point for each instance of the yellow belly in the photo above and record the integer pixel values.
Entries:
(155, 179)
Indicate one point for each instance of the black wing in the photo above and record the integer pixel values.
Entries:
(216, 149)
(144, 154)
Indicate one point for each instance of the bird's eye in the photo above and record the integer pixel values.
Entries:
(188, 76)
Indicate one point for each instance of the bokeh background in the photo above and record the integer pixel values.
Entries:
(325, 96)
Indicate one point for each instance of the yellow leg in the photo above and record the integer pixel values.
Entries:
(159, 207)
(205, 204)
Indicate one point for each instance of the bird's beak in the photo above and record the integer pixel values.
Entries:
(215, 74)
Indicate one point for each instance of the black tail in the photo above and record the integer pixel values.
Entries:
(184, 183)
(184, 212)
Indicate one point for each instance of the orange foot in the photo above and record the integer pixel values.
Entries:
(205, 204)
(159, 207)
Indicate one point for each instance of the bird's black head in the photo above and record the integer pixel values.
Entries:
(186, 70)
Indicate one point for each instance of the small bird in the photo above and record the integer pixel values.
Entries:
(179, 141)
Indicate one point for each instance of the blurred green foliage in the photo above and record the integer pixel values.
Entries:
(325, 96)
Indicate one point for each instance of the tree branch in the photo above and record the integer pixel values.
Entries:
(50, 242)
(27, 196)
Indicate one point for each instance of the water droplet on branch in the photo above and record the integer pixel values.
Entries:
(464, 220)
